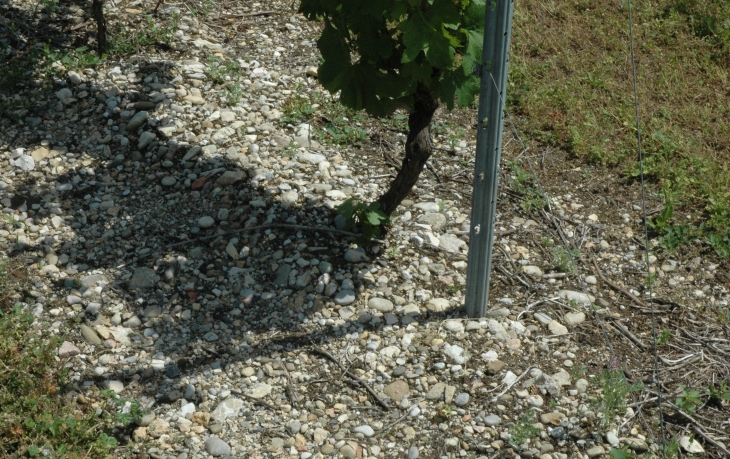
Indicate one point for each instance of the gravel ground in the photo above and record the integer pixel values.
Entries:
(187, 248)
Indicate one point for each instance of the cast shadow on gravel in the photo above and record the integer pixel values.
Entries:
(192, 302)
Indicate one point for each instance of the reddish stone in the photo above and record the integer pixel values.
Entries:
(198, 183)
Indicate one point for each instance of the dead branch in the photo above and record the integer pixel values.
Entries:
(357, 379)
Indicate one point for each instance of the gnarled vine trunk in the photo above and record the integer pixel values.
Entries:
(418, 150)
(98, 10)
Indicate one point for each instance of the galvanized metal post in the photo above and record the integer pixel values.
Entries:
(493, 69)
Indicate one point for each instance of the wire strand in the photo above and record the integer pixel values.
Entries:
(655, 376)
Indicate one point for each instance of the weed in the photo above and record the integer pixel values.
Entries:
(689, 400)
(650, 280)
(368, 217)
(299, 108)
(451, 133)
(74, 59)
(671, 235)
(563, 258)
(532, 198)
(577, 372)
(453, 289)
(622, 453)
(442, 205)
(663, 337)
(221, 71)
(719, 395)
(394, 251)
(342, 126)
(289, 151)
(36, 419)
(524, 429)
(127, 41)
(49, 6)
(615, 392)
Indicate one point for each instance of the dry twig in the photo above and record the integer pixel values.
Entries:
(357, 379)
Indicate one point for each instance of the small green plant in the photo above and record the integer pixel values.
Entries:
(671, 235)
(622, 453)
(35, 419)
(221, 71)
(563, 258)
(453, 289)
(650, 280)
(615, 390)
(127, 41)
(442, 205)
(300, 107)
(49, 6)
(577, 372)
(289, 151)
(663, 337)
(368, 217)
(74, 59)
(524, 184)
(524, 429)
(689, 400)
(451, 133)
(547, 242)
(720, 394)
(447, 411)
(129, 410)
(394, 251)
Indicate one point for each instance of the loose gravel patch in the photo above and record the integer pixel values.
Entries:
(188, 248)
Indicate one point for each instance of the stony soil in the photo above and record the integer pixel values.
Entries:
(188, 250)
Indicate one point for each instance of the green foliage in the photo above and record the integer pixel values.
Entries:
(71, 59)
(615, 391)
(35, 417)
(577, 372)
(226, 73)
(376, 53)
(127, 41)
(689, 400)
(671, 235)
(563, 258)
(663, 337)
(720, 394)
(523, 430)
(525, 184)
(342, 126)
(49, 6)
(622, 453)
(650, 280)
(368, 217)
(450, 133)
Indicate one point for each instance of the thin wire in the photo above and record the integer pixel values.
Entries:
(656, 379)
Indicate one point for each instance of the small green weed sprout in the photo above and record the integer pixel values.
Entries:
(524, 429)
(663, 337)
(577, 372)
(127, 41)
(671, 235)
(719, 395)
(368, 217)
(524, 184)
(689, 400)
(615, 391)
(563, 258)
